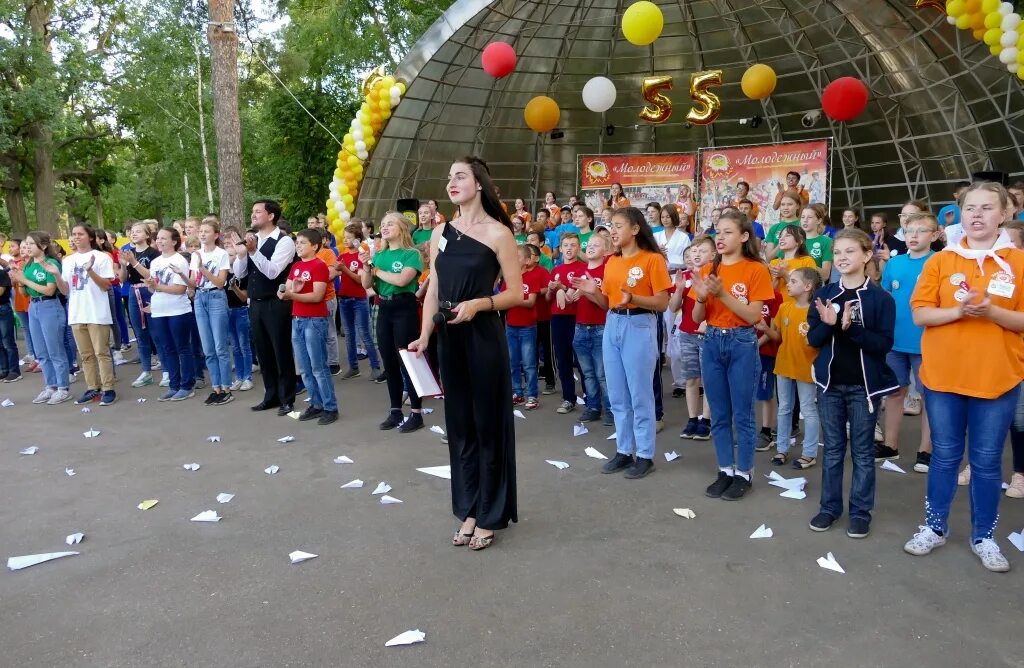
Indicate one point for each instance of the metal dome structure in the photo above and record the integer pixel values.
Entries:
(941, 107)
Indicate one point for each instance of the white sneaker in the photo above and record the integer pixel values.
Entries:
(964, 478)
(1015, 490)
(44, 396)
(911, 405)
(879, 436)
(991, 557)
(165, 380)
(235, 386)
(924, 541)
(119, 359)
(145, 378)
(156, 364)
(59, 397)
(246, 385)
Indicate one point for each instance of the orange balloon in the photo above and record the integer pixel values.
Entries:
(542, 114)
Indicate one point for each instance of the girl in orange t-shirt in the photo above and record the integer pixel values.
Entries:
(729, 295)
(635, 292)
(617, 198)
(792, 243)
(970, 303)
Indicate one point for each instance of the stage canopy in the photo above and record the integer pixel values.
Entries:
(941, 106)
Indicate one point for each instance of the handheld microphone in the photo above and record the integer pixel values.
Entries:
(441, 317)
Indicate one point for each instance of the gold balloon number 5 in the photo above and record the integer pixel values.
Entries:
(707, 105)
(661, 107)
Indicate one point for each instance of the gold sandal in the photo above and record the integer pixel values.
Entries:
(477, 543)
(460, 539)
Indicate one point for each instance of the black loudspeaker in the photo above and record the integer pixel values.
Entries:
(410, 209)
(996, 177)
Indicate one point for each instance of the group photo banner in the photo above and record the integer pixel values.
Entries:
(647, 177)
(764, 167)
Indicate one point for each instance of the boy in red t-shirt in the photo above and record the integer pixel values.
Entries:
(588, 340)
(563, 317)
(543, 306)
(306, 288)
(355, 310)
(765, 391)
(690, 339)
(521, 332)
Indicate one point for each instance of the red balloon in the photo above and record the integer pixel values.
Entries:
(844, 99)
(498, 59)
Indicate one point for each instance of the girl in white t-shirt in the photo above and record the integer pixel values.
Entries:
(171, 315)
(208, 273)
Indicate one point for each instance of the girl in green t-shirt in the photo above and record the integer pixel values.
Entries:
(819, 246)
(789, 214)
(392, 274)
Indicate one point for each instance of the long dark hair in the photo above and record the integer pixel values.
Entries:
(751, 247)
(645, 237)
(91, 234)
(799, 236)
(673, 213)
(488, 195)
(46, 244)
(103, 242)
(611, 195)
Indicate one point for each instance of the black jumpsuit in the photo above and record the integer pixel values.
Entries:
(477, 383)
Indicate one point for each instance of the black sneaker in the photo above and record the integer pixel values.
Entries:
(703, 430)
(764, 441)
(351, 373)
(412, 423)
(640, 468)
(690, 429)
(311, 413)
(884, 452)
(225, 398)
(548, 389)
(678, 392)
(923, 463)
(858, 527)
(617, 463)
(328, 417)
(590, 415)
(719, 486)
(381, 378)
(88, 397)
(821, 522)
(335, 369)
(739, 487)
(212, 399)
(394, 419)
(608, 419)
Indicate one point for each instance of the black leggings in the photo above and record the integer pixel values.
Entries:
(398, 325)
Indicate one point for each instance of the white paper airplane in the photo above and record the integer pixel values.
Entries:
(74, 539)
(437, 430)
(213, 439)
(295, 415)
(87, 410)
(141, 400)
(580, 401)
(354, 484)
(685, 512)
(426, 411)
(829, 562)
(612, 437)
(579, 429)
(6, 403)
(148, 503)
(798, 494)
(388, 500)
(439, 471)
(17, 563)
(191, 467)
(407, 638)
(593, 452)
(286, 439)
(298, 556)
(777, 480)
(762, 532)
(671, 456)
(69, 472)
(30, 450)
(343, 460)
(382, 488)
(272, 469)
(207, 516)
(92, 433)
(519, 414)
(557, 464)
(889, 466)
(1017, 540)
(224, 497)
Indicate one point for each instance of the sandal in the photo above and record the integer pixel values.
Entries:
(804, 463)
(780, 459)
(460, 539)
(477, 543)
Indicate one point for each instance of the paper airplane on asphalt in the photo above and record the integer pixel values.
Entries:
(272, 469)
(519, 414)
(786, 483)
(437, 430)
(6, 403)
(593, 452)
(298, 556)
(580, 401)
(579, 429)
(829, 562)
(286, 439)
(92, 433)
(439, 471)
(191, 467)
(685, 512)
(354, 484)
(141, 400)
(295, 415)
(889, 466)
(382, 488)
(87, 410)
(224, 497)
(1017, 540)
(207, 516)
(17, 563)
(388, 500)
(407, 638)
(30, 450)
(671, 456)
(74, 539)
(798, 494)
(148, 503)
(426, 411)
(762, 532)
(612, 437)
(69, 472)
(213, 439)
(557, 464)
(343, 460)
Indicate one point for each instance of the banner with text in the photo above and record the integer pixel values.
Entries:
(651, 177)
(764, 168)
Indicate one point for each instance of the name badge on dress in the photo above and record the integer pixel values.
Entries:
(442, 243)
(1001, 285)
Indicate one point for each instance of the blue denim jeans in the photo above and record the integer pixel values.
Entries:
(26, 328)
(70, 349)
(8, 344)
(839, 405)
(355, 318)
(241, 341)
(952, 417)
(50, 324)
(211, 309)
(173, 338)
(143, 336)
(789, 389)
(309, 342)
(730, 365)
(522, 355)
(588, 345)
(630, 350)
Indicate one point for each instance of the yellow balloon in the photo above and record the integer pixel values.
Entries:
(369, 141)
(758, 82)
(353, 161)
(385, 114)
(1020, 56)
(990, 6)
(338, 173)
(992, 37)
(642, 23)
(343, 189)
(358, 171)
(963, 21)
(955, 8)
(389, 80)
(1020, 74)
(367, 130)
(347, 199)
(363, 116)
(401, 88)
(993, 20)
(995, 50)
(384, 105)
(384, 94)
(348, 138)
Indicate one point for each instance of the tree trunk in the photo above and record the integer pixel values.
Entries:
(14, 196)
(184, 176)
(202, 135)
(45, 181)
(224, 61)
(97, 199)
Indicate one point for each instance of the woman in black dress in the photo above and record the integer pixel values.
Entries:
(467, 255)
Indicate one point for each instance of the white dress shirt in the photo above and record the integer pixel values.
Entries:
(674, 247)
(283, 254)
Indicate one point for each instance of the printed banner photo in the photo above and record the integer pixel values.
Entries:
(764, 168)
(653, 177)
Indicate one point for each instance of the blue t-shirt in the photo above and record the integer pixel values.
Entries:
(657, 228)
(553, 238)
(899, 278)
(758, 230)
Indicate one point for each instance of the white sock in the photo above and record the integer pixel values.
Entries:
(728, 470)
(745, 476)
(700, 417)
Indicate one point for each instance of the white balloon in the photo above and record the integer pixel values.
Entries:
(951, 20)
(1008, 56)
(360, 146)
(1009, 38)
(395, 91)
(1010, 22)
(1006, 8)
(1013, 67)
(599, 94)
(363, 155)
(357, 133)
(395, 99)
(345, 216)
(334, 188)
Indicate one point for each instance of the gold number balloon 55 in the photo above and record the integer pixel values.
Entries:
(707, 105)
(661, 107)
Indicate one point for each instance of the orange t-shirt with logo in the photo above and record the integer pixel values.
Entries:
(790, 265)
(795, 355)
(620, 202)
(327, 255)
(747, 281)
(644, 274)
(974, 357)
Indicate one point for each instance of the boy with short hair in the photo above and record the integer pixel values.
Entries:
(588, 340)
(521, 332)
(690, 338)
(563, 318)
(543, 308)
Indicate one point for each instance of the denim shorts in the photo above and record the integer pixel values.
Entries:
(765, 390)
(689, 354)
(903, 364)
